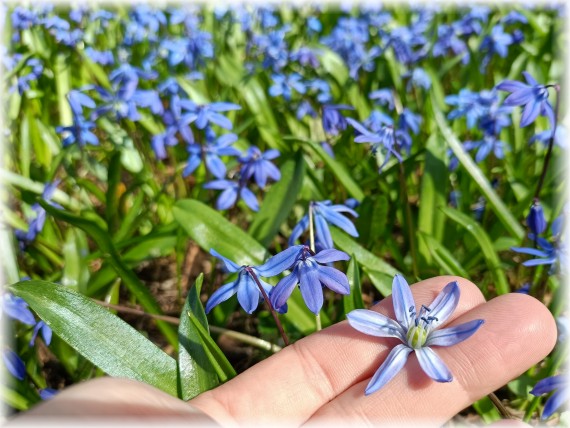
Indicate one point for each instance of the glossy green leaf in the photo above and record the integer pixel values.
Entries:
(354, 299)
(278, 201)
(101, 337)
(209, 229)
(219, 362)
(504, 215)
(483, 240)
(442, 257)
(432, 196)
(195, 371)
(133, 283)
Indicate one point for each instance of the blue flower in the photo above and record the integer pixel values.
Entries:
(448, 39)
(14, 364)
(416, 329)
(535, 219)
(409, 121)
(306, 56)
(497, 42)
(468, 105)
(80, 132)
(310, 274)
(36, 224)
(231, 191)
(333, 121)
(47, 393)
(419, 78)
(17, 309)
(257, 165)
(45, 330)
(560, 137)
(211, 153)
(488, 144)
(323, 214)
(383, 97)
(547, 254)
(560, 397)
(209, 114)
(244, 286)
(533, 96)
(283, 85)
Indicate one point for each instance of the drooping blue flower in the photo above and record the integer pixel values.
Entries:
(417, 329)
(448, 40)
(307, 271)
(420, 78)
(210, 153)
(560, 137)
(244, 286)
(283, 85)
(467, 104)
(497, 42)
(81, 132)
(535, 219)
(333, 121)
(209, 114)
(513, 17)
(550, 253)
(314, 25)
(383, 97)
(324, 212)
(306, 56)
(36, 224)
(14, 364)
(17, 309)
(560, 397)
(144, 24)
(533, 96)
(484, 147)
(259, 166)
(231, 191)
(45, 330)
(385, 141)
(77, 100)
(525, 289)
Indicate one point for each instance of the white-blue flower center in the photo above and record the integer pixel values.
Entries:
(417, 336)
(418, 332)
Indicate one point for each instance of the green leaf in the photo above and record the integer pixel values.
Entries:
(14, 399)
(209, 229)
(339, 170)
(432, 196)
(379, 272)
(195, 372)
(354, 299)
(62, 72)
(217, 358)
(442, 257)
(279, 201)
(505, 217)
(487, 410)
(101, 337)
(133, 283)
(491, 258)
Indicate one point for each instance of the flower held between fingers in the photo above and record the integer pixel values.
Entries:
(416, 329)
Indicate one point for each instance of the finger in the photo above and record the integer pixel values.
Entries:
(296, 382)
(113, 397)
(518, 332)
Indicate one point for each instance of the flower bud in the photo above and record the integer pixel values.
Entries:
(535, 219)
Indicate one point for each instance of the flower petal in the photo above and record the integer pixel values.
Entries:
(511, 86)
(530, 113)
(432, 365)
(375, 324)
(444, 304)
(338, 220)
(530, 251)
(311, 288)
(215, 166)
(548, 384)
(323, 233)
(230, 266)
(280, 262)
(555, 401)
(520, 97)
(298, 230)
(249, 198)
(283, 290)
(247, 293)
(330, 255)
(221, 295)
(334, 280)
(393, 363)
(227, 198)
(453, 335)
(403, 301)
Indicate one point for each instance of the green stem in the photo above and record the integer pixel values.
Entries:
(318, 324)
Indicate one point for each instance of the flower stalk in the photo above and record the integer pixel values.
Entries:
(318, 325)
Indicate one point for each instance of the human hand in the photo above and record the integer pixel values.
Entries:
(321, 378)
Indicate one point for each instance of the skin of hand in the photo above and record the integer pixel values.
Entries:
(321, 379)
